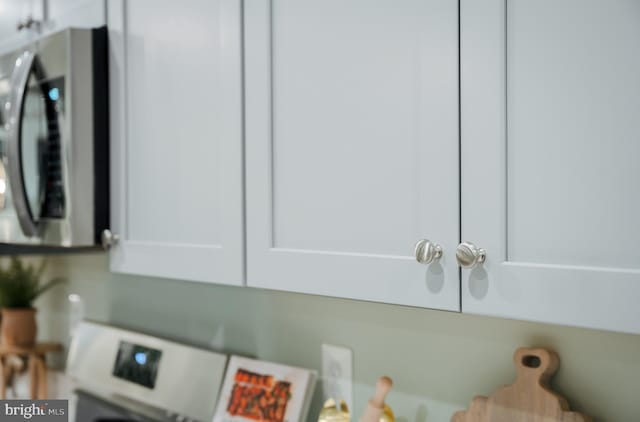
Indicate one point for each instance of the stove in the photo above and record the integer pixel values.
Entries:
(120, 375)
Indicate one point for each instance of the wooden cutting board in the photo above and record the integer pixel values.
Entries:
(528, 399)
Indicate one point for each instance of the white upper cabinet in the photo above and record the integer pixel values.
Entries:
(352, 148)
(176, 132)
(62, 14)
(550, 148)
(19, 22)
(23, 21)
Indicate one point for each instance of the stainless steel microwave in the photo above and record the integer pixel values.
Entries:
(54, 141)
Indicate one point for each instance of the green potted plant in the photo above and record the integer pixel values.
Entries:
(20, 285)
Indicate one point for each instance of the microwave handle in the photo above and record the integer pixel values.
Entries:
(19, 78)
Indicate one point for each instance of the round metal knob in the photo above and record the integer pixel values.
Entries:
(469, 255)
(109, 239)
(427, 252)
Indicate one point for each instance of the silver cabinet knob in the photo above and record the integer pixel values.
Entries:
(427, 252)
(468, 255)
(109, 239)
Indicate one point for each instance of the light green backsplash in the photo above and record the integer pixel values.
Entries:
(438, 360)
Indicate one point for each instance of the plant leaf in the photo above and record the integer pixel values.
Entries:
(20, 283)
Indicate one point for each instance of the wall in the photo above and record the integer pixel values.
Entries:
(438, 360)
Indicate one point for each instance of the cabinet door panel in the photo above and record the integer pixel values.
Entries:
(352, 147)
(75, 13)
(177, 137)
(550, 122)
(13, 12)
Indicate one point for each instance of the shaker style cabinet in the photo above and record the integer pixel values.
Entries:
(23, 21)
(352, 148)
(176, 139)
(365, 139)
(18, 22)
(550, 146)
(74, 13)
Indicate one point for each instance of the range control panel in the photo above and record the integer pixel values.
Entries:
(146, 370)
(137, 364)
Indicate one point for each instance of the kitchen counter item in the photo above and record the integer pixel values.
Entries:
(332, 413)
(387, 415)
(528, 399)
(118, 374)
(37, 367)
(375, 411)
(256, 390)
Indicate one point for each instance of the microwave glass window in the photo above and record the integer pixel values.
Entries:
(40, 148)
(4, 183)
(33, 146)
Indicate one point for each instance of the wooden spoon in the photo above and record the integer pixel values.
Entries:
(375, 407)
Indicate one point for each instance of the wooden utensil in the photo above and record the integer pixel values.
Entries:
(528, 399)
(375, 407)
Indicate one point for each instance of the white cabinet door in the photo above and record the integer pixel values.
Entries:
(48, 15)
(176, 131)
(12, 14)
(550, 147)
(62, 14)
(352, 147)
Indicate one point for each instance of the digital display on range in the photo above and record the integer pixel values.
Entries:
(138, 364)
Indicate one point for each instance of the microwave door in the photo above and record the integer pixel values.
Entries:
(33, 146)
(10, 230)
